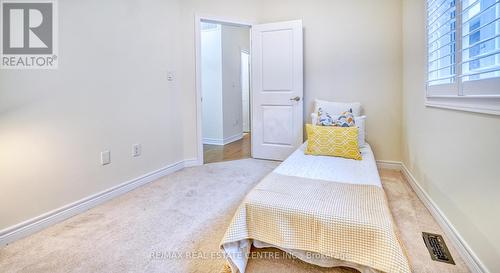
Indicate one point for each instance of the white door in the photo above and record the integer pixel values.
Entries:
(277, 89)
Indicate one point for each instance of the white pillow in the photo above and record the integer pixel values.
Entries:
(314, 118)
(336, 108)
(360, 123)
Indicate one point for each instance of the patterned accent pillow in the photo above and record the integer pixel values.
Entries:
(333, 141)
(345, 119)
(324, 118)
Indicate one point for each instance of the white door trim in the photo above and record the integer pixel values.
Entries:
(198, 18)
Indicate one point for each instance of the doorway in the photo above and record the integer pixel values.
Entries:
(276, 84)
(225, 91)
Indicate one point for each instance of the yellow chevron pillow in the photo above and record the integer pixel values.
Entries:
(333, 141)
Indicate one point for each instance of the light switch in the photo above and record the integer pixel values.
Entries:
(105, 158)
(170, 76)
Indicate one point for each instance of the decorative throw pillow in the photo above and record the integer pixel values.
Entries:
(333, 141)
(324, 118)
(337, 107)
(345, 119)
(360, 123)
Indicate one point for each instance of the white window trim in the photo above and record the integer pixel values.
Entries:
(478, 104)
(451, 96)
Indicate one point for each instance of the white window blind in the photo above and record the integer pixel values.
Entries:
(441, 42)
(463, 53)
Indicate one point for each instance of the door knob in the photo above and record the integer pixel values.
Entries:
(295, 98)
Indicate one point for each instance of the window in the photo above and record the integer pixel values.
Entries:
(463, 55)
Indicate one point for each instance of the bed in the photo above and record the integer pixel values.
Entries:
(324, 210)
(332, 168)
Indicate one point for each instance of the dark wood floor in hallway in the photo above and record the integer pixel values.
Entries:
(233, 151)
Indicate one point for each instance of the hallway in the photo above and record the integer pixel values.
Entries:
(233, 151)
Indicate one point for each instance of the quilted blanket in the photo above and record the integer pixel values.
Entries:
(347, 222)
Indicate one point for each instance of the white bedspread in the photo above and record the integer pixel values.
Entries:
(332, 168)
(324, 168)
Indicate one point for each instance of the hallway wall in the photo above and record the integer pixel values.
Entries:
(221, 47)
(234, 39)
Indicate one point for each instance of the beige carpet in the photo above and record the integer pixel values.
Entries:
(175, 225)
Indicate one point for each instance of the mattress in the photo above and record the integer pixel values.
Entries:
(333, 169)
(330, 168)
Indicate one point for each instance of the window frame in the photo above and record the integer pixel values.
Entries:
(452, 95)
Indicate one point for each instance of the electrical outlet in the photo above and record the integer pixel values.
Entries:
(136, 150)
(105, 158)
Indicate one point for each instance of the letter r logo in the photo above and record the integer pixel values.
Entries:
(27, 28)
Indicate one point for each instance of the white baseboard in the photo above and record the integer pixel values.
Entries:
(473, 262)
(389, 165)
(45, 220)
(191, 163)
(225, 141)
(38, 223)
(213, 141)
(470, 258)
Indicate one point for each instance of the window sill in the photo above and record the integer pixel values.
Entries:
(478, 104)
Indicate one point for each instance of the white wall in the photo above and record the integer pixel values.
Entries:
(222, 115)
(453, 155)
(245, 90)
(352, 53)
(234, 39)
(110, 91)
(211, 82)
